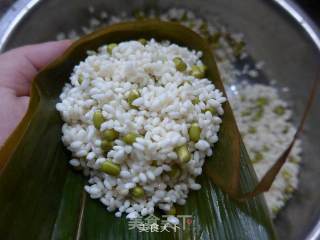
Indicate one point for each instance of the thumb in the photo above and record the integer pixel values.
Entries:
(42, 54)
(19, 66)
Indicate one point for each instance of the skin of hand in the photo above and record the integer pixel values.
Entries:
(18, 67)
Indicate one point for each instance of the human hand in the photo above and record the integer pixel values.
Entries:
(18, 67)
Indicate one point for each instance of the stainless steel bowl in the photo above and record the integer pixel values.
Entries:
(277, 32)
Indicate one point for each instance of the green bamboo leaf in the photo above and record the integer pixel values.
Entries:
(42, 198)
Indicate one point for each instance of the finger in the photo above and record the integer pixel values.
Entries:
(19, 66)
(42, 54)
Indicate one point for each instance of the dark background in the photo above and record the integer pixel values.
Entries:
(312, 7)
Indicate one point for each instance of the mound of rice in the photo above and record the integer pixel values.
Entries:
(264, 122)
(169, 102)
(236, 67)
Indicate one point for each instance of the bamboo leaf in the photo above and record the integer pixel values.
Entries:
(42, 198)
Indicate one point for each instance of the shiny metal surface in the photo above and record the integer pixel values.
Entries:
(303, 20)
(277, 31)
(13, 17)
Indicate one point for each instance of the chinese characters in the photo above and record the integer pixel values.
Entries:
(152, 223)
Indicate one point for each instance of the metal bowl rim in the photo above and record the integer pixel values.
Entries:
(17, 12)
(21, 8)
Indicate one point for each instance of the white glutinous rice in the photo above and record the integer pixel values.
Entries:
(263, 119)
(230, 48)
(140, 95)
